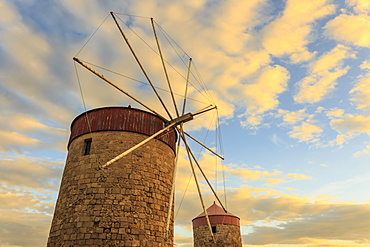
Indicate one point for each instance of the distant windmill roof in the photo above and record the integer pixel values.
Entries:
(216, 215)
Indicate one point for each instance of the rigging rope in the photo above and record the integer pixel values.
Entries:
(133, 79)
(92, 36)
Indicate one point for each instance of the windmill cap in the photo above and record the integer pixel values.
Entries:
(216, 215)
(116, 118)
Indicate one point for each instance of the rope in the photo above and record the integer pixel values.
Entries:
(167, 37)
(133, 79)
(132, 15)
(218, 129)
(92, 35)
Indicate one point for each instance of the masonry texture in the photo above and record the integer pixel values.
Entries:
(225, 236)
(124, 204)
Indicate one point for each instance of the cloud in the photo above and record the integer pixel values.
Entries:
(262, 95)
(351, 29)
(340, 139)
(31, 173)
(21, 133)
(307, 132)
(335, 113)
(365, 151)
(360, 6)
(318, 227)
(352, 124)
(323, 75)
(365, 65)
(294, 116)
(361, 92)
(23, 229)
(278, 38)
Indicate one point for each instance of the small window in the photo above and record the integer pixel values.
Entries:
(214, 229)
(87, 146)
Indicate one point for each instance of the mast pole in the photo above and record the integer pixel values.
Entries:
(164, 67)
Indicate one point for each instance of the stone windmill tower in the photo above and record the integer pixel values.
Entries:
(224, 231)
(117, 186)
(126, 203)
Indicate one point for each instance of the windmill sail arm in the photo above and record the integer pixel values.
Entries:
(120, 89)
(210, 150)
(201, 170)
(140, 65)
(181, 131)
(164, 67)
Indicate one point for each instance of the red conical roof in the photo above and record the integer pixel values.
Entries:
(216, 215)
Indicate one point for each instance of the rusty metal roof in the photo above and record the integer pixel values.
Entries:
(121, 119)
(216, 216)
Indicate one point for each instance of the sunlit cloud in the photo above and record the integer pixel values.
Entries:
(31, 173)
(306, 132)
(23, 229)
(262, 95)
(361, 92)
(360, 6)
(365, 151)
(340, 139)
(294, 116)
(323, 75)
(351, 29)
(278, 38)
(335, 113)
(352, 123)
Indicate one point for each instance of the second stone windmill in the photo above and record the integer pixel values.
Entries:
(118, 183)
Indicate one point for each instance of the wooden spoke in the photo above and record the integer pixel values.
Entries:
(197, 184)
(173, 188)
(140, 65)
(120, 89)
(210, 150)
(164, 67)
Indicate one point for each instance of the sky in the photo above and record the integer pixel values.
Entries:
(291, 81)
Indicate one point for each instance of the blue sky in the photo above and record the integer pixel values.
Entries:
(291, 80)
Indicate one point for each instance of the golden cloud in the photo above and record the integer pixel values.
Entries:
(352, 123)
(340, 139)
(262, 95)
(360, 6)
(306, 132)
(335, 113)
(31, 173)
(324, 73)
(361, 92)
(23, 229)
(365, 65)
(294, 117)
(352, 29)
(365, 151)
(278, 37)
(323, 226)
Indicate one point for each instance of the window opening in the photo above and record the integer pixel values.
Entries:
(214, 229)
(87, 146)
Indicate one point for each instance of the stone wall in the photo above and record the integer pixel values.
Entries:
(225, 236)
(124, 204)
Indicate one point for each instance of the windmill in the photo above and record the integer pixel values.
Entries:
(130, 227)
